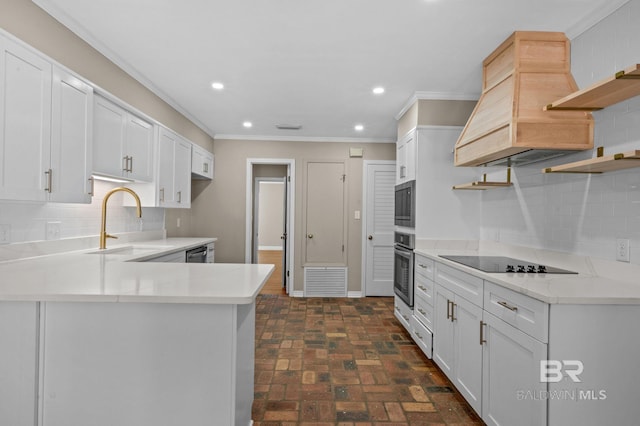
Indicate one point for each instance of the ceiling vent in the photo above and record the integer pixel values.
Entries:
(508, 125)
(289, 126)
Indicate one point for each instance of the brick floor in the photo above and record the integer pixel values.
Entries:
(347, 362)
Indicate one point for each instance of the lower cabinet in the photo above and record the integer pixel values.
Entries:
(511, 387)
(402, 312)
(457, 348)
(18, 363)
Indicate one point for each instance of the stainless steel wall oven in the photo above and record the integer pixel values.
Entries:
(403, 266)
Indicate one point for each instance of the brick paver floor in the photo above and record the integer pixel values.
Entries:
(348, 362)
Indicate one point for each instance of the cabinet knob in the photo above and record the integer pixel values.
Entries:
(309, 236)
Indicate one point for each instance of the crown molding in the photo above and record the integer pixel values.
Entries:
(436, 96)
(302, 139)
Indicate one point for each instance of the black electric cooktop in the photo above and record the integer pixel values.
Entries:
(499, 264)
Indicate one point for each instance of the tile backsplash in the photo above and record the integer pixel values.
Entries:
(575, 213)
(28, 221)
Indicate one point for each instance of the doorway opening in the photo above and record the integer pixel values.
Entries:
(269, 219)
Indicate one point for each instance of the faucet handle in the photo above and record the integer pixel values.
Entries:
(110, 236)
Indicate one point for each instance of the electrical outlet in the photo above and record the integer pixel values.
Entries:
(5, 234)
(53, 230)
(622, 250)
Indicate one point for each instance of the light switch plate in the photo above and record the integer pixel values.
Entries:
(5, 234)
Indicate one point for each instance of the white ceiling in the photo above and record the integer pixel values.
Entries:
(310, 62)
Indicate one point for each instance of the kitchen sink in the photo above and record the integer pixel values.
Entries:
(129, 250)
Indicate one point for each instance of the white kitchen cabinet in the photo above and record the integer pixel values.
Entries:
(512, 393)
(45, 122)
(71, 139)
(423, 310)
(202, 163)
(18, 363)
(123, 143)
(406, 158)
(176, 257)
(402, 312)
(456, 345)
(25, 122)
(174, 170)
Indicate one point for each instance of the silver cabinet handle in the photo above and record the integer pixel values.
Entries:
(92, 190)
(403, 171)
(419, 335)
(179, 196)
(506, 305)
(453, 317)
(48, 173)
(422, 312)
(131, 164)
(423, 288)
(162, 195)
(422, 265)
(205, 168)
(125, 163)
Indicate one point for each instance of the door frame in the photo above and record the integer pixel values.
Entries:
(291, 185)
(256, 206)
(363, 266)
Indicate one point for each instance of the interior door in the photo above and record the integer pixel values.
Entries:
(285, 233)
(379, 228)
(325, 213)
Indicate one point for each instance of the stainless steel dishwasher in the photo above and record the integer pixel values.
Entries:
(197, 255)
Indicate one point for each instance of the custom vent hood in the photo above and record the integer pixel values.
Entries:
(508, 125)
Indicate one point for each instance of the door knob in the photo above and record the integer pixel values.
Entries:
(310, 236)
(370, 237)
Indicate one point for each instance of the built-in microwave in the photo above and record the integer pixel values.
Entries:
(405, 204)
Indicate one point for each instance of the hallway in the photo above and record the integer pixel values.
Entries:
(349, 362)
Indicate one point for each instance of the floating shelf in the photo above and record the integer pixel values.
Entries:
(599, 164)
(483, 184)
(623, 85)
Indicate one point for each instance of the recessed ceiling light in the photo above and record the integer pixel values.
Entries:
(378, 90)
(247, 124)
(359, 127)
(217, 85)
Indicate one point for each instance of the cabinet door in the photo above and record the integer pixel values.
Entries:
(25, 123)
(201, 163)
(71, 139)
(467, 371)
(182, 173)
(401, 163)
(511, 390)
(108, 138)
(18, 363)
(443, 333)
(410, 157)
(139, 148)
(166, 144)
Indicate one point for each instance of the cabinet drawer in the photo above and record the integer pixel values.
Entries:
(423, 311)
(402, 312)
(460, 283)
(422, 336)
(523, 312)
(424, 267)
(423, 288)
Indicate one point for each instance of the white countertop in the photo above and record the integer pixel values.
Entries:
(597, 281)
(116, 276)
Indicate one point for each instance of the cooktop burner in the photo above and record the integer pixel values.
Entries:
(498, 264)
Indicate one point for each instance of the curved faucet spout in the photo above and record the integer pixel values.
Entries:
(103, 225)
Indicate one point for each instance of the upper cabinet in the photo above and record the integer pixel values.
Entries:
(174, 170)
(45, 123)
(201, 163)
(123, 143)
(406, 158)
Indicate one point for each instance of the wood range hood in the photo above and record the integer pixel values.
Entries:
(508, 126)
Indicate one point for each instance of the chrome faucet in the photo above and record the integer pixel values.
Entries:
(103, 226)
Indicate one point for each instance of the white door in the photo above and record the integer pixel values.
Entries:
(139, 148)
(379, 227)
(108, 138)
(325, 214)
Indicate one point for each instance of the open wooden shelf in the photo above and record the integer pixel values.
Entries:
(599, 164)
(483, 184)
(623, 85)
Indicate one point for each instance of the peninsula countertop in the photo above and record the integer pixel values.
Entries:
(121, 274)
